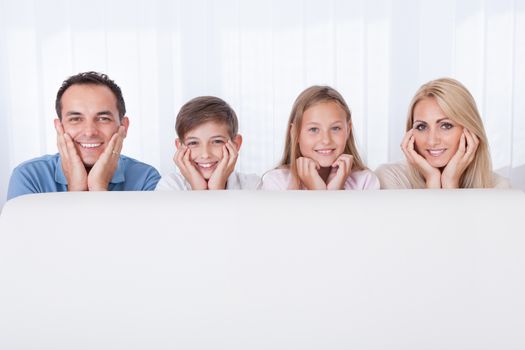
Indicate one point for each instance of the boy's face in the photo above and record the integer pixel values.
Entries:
(206, 143)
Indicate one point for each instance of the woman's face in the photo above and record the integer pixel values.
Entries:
(436, 136)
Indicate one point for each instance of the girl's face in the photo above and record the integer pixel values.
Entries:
(436, 137)
(324, 132)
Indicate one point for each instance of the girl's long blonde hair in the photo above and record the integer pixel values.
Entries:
(457, 103)
(308, 98)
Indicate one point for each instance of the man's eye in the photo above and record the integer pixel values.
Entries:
(104, 119)
(73, 119)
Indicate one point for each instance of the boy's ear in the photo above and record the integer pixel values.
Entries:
(177, 143)
(237, 140)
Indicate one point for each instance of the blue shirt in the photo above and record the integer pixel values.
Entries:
(44, 174)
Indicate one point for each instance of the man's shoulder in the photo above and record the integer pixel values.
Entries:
(134, 164)
(46, 162)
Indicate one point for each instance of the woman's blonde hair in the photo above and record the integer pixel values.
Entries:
(308, 98)
(457, 103)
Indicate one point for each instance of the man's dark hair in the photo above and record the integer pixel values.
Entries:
(94, 78)
(204, 109)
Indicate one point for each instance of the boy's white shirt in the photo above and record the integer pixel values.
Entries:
(236, 181)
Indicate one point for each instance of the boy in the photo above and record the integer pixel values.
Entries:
(207, 148)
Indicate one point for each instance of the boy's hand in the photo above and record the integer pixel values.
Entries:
(188, 170)
(307, 170)
(72, 165)
(343, 168)
(104, 168)
(225, 167)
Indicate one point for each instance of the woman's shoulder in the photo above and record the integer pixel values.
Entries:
(500, 182)
(394, 176)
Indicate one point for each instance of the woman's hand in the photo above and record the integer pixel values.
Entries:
(432, 175)
(307, 170)
(468, 144)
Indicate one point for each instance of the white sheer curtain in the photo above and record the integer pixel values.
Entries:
(258, 55)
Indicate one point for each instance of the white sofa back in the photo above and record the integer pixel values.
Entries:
(263, 270)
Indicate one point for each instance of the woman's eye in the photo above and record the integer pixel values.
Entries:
(420, 127)
(314, 130)
(447, 126)
(336, 128)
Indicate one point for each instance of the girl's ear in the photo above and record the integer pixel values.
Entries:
(292, 130)
(178, 143)
(237, 140)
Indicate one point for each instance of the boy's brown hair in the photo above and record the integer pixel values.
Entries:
(204, 109)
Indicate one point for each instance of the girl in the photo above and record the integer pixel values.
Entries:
(320, 151)
(445, 144)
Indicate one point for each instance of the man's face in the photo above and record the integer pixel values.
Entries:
(90, 116)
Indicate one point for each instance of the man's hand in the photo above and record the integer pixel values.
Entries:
(343, 168)
(72, 165)
(468, 144)
(102, 171)
(432, 175)
(188, 170)
(308, 172)
(225, 168)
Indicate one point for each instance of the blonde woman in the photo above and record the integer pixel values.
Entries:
(320, 152)
(445, 144)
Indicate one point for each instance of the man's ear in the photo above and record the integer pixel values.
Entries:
(178, 143)
(237, 140)
(125, 123)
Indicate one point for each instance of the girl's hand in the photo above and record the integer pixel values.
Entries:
(468, 144)
(188, 170)
(432, 175)
(307, 170)
(343, 168)
(225, 167)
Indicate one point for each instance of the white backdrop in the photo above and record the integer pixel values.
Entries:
(258, 55)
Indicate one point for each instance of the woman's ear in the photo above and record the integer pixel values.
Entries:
(178, 143)
(237, 140)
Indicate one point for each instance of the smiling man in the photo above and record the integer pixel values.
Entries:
(91, 128)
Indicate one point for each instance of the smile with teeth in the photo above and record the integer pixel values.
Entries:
(436, 152)
(326, 151)
(89, 145)
(206, 165)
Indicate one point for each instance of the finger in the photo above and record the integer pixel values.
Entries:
(71, 151)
